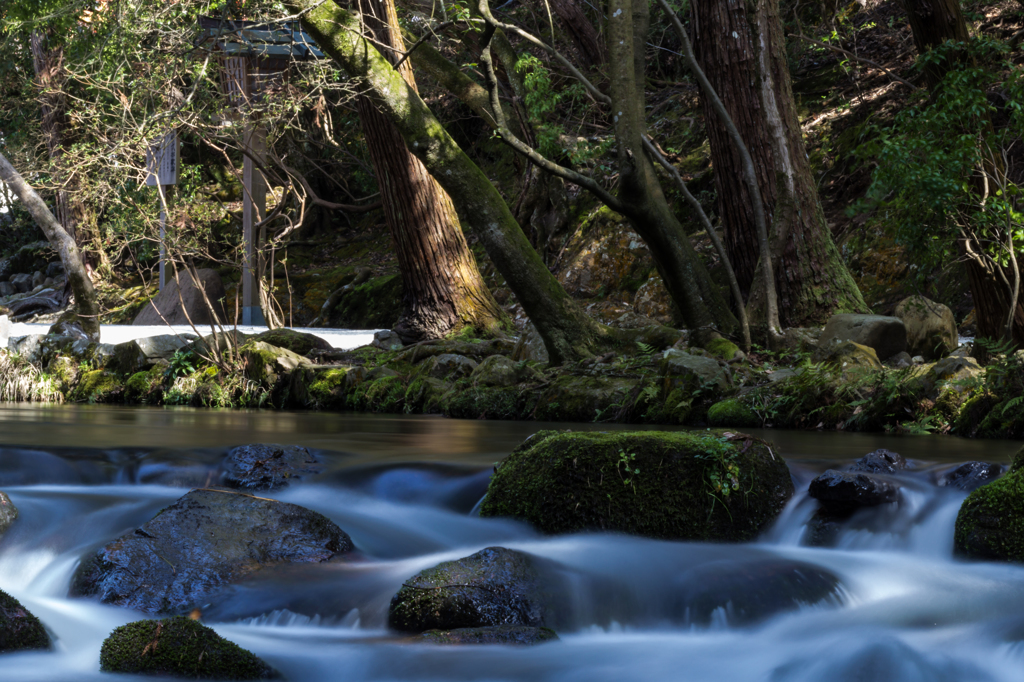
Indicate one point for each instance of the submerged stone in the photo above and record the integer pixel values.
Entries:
(205, 540)
(179, 647)
(714, 485)
(520, 635)
(751, 591)
(267, 466)
(495, 586)
(972, 475)
(19, 629)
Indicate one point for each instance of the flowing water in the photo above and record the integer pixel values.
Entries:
(404, 488)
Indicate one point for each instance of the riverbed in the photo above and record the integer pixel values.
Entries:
(404, 488)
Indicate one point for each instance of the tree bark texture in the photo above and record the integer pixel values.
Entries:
(81, 285)
(585, 38)
(443, 290)
(933, 22)
(741, 48)
(687, 280)
(568, 333)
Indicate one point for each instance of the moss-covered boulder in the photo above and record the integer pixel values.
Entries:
(145, 387)
(207, 540)
(495, 586)
(300, 343)
(584, 398)
(724, 349)
(179, 647)
(734, 413)
(931, 328)
(852, 359)
(693, 372)
(688, 486)
(97, 386)
(990, 524)
(8, 513)
(519, 635)
(19, 629)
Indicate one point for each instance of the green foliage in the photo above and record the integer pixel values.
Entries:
(933, 163)
(182, 363)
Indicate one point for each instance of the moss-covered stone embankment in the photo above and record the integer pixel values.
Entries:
(712, 485)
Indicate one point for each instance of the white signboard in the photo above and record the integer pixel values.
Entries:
(162, 160)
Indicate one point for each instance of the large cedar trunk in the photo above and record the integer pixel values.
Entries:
(741, 48)
(933, 22)
(443, 289)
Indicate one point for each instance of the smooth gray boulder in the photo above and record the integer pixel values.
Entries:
(450, 366)
(186, 305)
(931, 327)
(22, 282)
(386, 339)
(203, 542)
(141, 354)
(886, 335)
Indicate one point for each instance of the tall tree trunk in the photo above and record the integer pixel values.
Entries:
(568, 333)
(933, 22)
(573, 20)
(443, 289)
(81, 285)
(698, 297)
(741, 48)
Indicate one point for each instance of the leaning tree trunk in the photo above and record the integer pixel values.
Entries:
(701, 303)
(741, 48)
(81, 285)
(933, 22)
(443, 289)
(568, 333)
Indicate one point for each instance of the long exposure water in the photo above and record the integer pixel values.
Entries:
(404, 488)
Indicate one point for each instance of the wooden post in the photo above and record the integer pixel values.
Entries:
(254, 199)
(162, 173)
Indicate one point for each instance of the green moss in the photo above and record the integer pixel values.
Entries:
(19, 629)
(145, 387)
(973, 413)
(180, 647)
(325, 391)
(693, 486)
(990, 524)
(732, 412)
(97, 386)
(296, 342)
(722, 349)
(385, 394)
(371, 305)
(483, 402)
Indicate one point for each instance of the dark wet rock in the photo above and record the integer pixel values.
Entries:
(267, 466)
(71, 328)
(971, 475)
(845, 491)
(300, 343)
(450, 366)
(179, 647)
(205, 540)
(707, 485)
(7, 289)
(880, 461)
(495, 586)
(386, 339)
(22, 282)
(823, 529)
(501, 634)
(8, 512)
(751, 591)
(19, 629)
(141, 354)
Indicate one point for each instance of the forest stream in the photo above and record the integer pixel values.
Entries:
(405, 490)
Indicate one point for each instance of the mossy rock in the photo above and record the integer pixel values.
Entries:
(973, 414)
(8, 513)
(97, 386)
(381, 394)
(145, 387)
(180, 647)
(481, 402)
(19, 629)
(734, 413)
(495, 586)
(723, 349)
(584, 399)
(518, 635)
(681, 486)
(297, 342)
(319, 388)
(990, 524)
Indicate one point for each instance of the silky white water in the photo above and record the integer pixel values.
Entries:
(906, 610)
